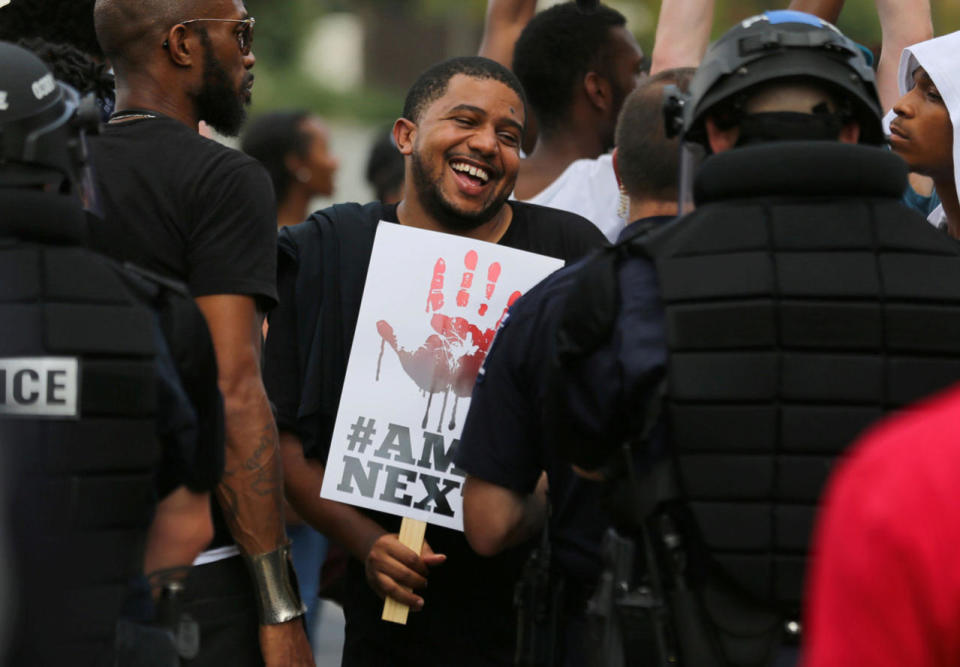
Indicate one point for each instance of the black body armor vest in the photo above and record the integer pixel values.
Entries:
(802, 302)
(78, 402)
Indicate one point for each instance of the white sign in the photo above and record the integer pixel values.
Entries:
(39, 386)
(431, 306)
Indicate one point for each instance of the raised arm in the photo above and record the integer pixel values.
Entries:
(828, 10)
(683, 32)
(902, 23)
(251, 491)
(503, 25)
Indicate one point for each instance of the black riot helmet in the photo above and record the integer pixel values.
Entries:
(777, 46)
(43, 123)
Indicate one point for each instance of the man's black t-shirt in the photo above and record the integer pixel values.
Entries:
(184, 206)
(468, 610)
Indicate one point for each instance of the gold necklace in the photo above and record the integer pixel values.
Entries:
(130, 115)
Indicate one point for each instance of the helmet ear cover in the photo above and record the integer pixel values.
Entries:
(42, 125)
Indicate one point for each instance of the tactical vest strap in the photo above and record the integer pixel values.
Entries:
(587, 322)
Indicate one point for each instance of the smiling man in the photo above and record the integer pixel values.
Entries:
(922, 132)
(187, 207)
(460, 136)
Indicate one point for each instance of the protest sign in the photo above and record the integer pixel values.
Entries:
(431, 306)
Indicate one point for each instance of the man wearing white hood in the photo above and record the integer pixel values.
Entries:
(922, 131)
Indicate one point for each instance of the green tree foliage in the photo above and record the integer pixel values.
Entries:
(282, 26)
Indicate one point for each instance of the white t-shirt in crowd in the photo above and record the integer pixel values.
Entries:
(588, 188)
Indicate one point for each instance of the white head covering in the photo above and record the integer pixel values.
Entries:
(938, 56)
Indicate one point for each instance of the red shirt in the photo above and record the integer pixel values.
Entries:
(884, 584)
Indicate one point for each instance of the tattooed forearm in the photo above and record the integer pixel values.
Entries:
(268, 481)
(251, 490)
(227, 498)
(267, 441)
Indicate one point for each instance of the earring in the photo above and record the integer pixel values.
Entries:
(304, 174)
(623, 207)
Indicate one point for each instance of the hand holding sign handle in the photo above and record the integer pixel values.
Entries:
(394, 570)
(448, 359)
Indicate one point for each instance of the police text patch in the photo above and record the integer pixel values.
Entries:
(39, 386)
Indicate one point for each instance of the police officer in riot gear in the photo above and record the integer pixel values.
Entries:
(97, 420)
(801, 301)
(757, 335)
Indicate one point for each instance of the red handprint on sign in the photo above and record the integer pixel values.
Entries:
(449, 359)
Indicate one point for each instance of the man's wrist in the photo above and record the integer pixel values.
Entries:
(275, 585)
(371, 541)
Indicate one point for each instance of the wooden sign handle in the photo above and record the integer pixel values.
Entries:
(411, 536)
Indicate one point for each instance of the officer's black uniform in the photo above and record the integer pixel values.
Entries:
(801, 301)
(85, 372)
(795, 316)
(78, 430)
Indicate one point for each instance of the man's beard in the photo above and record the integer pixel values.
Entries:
(618, 96)
(434, 203)
(218, 102)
